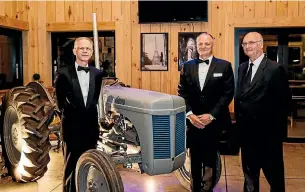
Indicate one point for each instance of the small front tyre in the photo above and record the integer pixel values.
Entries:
(183, 174)
(96, 171)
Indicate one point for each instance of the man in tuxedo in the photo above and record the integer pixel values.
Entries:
(77, 92)
(261, 106)
(207, 85)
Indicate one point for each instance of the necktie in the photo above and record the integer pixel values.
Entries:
(80, 68)
(203, 61)
(248, 77)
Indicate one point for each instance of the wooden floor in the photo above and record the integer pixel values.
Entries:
(231, 179)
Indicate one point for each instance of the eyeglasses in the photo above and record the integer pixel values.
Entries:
(249, 43)
(84, 48)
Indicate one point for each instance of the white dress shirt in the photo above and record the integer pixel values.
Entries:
(203, 69)
(256, 64)
(83, 79)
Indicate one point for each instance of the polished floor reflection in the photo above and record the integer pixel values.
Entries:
(231, 179)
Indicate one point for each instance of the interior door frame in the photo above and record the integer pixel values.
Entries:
(15, 36)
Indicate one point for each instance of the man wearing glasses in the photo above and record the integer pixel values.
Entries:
(77, 92)
(262, 103)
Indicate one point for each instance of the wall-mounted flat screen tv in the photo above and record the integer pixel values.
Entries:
(172, 11)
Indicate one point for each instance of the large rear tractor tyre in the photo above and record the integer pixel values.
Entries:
(183, 174)
(25, 135)
(96, 171)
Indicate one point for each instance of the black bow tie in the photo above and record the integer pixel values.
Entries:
(203, 61)
(86, 69)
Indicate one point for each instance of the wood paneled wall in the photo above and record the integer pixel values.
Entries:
(223, 17)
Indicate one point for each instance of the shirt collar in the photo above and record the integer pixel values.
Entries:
(257, 62)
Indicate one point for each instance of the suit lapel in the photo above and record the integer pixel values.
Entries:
(76, 86)
(195, 73)
(91, 87)
(257, 75)
(210, 71)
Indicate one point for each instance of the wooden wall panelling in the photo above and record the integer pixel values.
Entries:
(70, 12)
(146, 80)
(44, 45)
(155, 76)
(14, 9)
(2, 8)
(60, 11)
(30, 46)
(228, 15)
(293, 9)
(97, 8)
(79, 26)
(51, 12)
(116, 10)
(301, 8)
(106, 7)
(249, 9)
(238, 9)
(8, 12)
(218, 17)
(271, 8)
(78, 10)
(126, 45)
(282, 8)
(175, 28)
(260, 9)
(196, 27)
(23, 8)
(136, 74)
(120, 48)
(165, 79)
(88, 10)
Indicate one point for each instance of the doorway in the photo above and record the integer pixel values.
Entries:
(62, 50)
(11, 65)
(287, 47)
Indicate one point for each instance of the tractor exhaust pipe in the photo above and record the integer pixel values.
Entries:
(97, 65)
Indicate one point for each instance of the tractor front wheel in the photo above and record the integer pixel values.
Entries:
(183, 174)
(96, 171)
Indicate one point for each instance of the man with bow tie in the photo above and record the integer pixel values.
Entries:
(207, 85)
(77, 93)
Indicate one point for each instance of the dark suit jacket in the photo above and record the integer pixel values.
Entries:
(261, 109)
(214, 98)
(79, 122)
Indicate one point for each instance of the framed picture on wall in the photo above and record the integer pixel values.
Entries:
(154, 48)
(187, 49)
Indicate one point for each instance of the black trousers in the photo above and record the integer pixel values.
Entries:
(269, 158)
(72, 152)
(203, 165)
(203, 145)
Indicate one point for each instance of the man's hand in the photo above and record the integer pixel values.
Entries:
(196, 121)
(205, 119)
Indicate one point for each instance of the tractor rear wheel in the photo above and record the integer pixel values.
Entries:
(25, 134)
(96, 171)
(183, 174)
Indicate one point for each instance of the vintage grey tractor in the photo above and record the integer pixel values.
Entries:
(138, 128)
